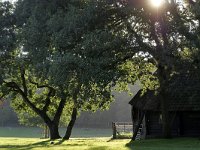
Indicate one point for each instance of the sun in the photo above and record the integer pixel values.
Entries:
(156, 3)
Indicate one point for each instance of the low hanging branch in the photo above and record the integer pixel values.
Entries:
(41, 86)
(48, 100)
(50, 94)
(16, 88)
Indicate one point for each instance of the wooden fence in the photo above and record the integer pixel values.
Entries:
(124, 128)
(45, 132)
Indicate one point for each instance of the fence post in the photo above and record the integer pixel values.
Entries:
(46, 132)
(114, 130)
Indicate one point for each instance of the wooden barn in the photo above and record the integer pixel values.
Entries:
(184, 107)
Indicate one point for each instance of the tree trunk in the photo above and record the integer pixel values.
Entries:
(71, 124)
(54, 133)
(138, 126)
(53, 126)
(166, 129)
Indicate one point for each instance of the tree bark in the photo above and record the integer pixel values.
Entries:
(71, 124)
(59, 111)
(53, 126)
(138, 126)
(54, 133)
(166, 129)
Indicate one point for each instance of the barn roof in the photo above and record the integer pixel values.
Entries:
(183, 94)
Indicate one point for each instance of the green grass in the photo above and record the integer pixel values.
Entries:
(166, 144)
(99, 144)
(73, 144)
(28, 139)
(124, 136)
(27, 132)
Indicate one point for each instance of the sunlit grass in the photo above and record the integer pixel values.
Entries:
(99, 144)
(72, 144)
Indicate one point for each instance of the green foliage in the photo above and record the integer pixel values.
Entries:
(72, 46)
(27, 117)
(7, 41)
(7, 38)
(137, 69)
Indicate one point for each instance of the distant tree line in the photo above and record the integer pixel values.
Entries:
(117, 112)
(8, 116)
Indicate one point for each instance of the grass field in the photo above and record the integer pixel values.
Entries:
(24, 132)
(99, 144)
(29, 139)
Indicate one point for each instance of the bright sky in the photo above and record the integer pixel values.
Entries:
(156, 3)
(8, 0)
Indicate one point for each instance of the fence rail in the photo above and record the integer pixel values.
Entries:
(124, 128)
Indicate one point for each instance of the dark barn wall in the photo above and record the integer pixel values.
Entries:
(182, 124)
(190, 123)
(175, 123)
(153, 124)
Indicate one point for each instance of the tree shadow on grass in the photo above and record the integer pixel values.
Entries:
(26, 147)
(42, 144)
(130, 145)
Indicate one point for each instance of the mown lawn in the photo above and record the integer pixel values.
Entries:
(33, 132)
(99, 144)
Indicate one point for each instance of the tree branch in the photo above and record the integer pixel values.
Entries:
(60, 107)
(139, 40)
(17, 89)
(182, 28)
(48, 99)
(22, 73)
(40, 86)
(49, 95)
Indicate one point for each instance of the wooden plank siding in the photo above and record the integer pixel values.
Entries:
(153, 126)
(190, 124)
(182, 124)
